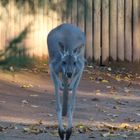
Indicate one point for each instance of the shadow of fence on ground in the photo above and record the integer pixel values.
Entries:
(16, 53)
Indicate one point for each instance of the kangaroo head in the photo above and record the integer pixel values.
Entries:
(69, 60)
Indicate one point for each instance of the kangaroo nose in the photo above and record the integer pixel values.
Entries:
(69, 74)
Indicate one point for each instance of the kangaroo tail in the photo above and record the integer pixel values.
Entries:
(65, 97)
(65, 103)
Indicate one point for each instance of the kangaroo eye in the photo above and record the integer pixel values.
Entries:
(64, 62)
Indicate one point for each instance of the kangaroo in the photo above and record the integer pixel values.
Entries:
(66, 46)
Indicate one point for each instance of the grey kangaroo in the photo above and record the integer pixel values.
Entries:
(66, 46)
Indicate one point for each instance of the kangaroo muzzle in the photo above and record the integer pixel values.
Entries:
(69, 74)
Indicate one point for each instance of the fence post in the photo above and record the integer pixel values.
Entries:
(74, 12)
(128, 30)
(105, 31)
(97, 30)
(81, 14)
(136, 31)
(120, 33)
(89, 31)
(113, 30)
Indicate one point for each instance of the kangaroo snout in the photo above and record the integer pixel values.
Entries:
(69, 74)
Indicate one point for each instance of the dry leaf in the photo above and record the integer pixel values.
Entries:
(54, 133)
(91, 78)
(33, 130)
(109, 69)
(138, 114)
(118, 78)
(124, 126)
(83, 128)
(34, 95)
(104, 81)
(126, 78)
(25, 102)
(108, 87)
(105, 134)
(26, 86)
(50, 115)
(34, 106)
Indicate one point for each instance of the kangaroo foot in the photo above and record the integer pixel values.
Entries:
(61, 133)
(68, 133)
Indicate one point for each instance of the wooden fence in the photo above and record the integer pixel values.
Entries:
(112, 27)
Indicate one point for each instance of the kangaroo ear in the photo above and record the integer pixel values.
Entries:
(62, 48)
(77, 50)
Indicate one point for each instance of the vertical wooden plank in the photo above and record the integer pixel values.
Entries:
(15, 18)
(44, 32)
(81, 14)
(50, 15)
(3, 28)
(136, 31)
(31, 42)
(46, 10)
(120, 34)
(20, 22)
(105, 31)
(57, 13)
(63, 11)
(69, 11)
(97, 30)
(128, 30)
(59, 19)
(89, 30)
(41, 32)
(10, 18)
(0, 28)
(44, 41)
(74, 12)
(1, 46)
(54, 16)
(113, 30)
(25, 24)
(7, 21)
(49, 20)
(33, 36)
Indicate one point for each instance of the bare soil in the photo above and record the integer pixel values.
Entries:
(107, 108)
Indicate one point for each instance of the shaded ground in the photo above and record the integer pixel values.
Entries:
(107, 105)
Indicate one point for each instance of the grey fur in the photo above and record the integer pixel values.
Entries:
(66, 46)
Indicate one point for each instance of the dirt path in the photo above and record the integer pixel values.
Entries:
(104, 103)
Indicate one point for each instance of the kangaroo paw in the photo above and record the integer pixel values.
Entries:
(61, 133)
(68, 133)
